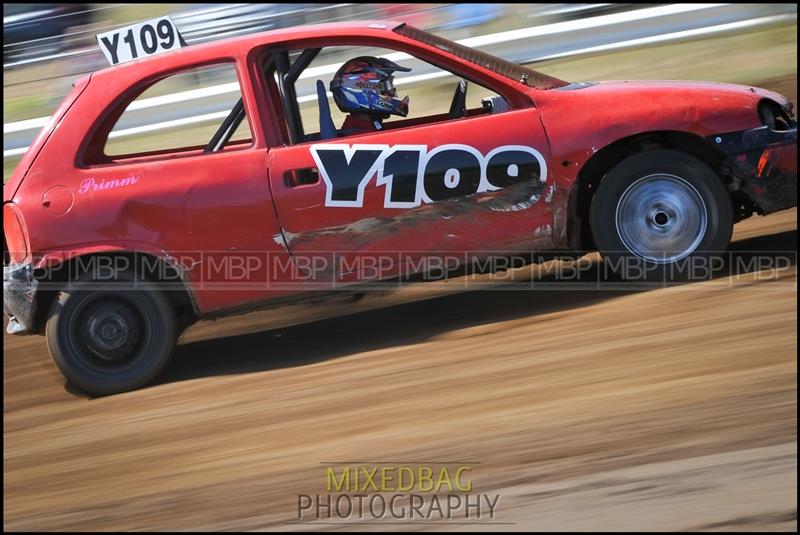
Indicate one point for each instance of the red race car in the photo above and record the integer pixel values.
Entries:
(111, 253)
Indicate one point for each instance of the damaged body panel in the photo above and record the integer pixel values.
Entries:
(506, 221)
(19, 297)
(487, 210)
(763, 164)
(621, 118)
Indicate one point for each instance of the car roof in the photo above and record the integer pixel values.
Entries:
(234, 45)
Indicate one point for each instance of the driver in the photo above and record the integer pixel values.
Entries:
(363, 89)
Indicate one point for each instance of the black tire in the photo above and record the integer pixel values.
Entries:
(108, 338)
(660, 197)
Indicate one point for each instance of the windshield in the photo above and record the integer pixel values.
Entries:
(508, 69)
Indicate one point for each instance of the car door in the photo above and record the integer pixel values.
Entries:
(373, 205)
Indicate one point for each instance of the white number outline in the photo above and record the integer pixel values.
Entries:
(377, 169)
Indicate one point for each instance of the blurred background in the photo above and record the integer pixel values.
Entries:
(48, 46)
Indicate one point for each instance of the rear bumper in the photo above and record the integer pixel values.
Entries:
(763, 164)
(19, 297)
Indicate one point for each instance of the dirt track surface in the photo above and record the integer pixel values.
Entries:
(667, 409)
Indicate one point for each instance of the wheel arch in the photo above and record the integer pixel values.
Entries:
(152, 266)
(579, 233)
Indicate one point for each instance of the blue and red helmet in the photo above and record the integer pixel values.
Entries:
(364, 85)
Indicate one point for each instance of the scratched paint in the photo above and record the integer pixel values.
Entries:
(512, 198)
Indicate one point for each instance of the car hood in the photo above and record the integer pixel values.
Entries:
(690, 90)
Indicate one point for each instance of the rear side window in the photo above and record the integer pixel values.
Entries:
(180, 113)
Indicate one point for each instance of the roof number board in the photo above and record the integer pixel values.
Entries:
(140, 40)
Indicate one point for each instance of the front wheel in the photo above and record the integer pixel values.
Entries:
(662, 215)
(108, 340)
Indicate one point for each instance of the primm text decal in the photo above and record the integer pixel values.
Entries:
(411, 175)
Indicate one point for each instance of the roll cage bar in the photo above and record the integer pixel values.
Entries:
(287, 76)
(288, 73)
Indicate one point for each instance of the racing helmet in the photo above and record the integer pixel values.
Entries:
(364, 85)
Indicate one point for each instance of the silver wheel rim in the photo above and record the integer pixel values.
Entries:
(661, 218)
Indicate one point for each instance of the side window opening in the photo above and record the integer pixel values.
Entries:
(431, 91)
(193, 111)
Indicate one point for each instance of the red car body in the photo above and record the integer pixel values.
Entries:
(63, 202)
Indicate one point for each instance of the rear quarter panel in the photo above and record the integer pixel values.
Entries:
(182, 208)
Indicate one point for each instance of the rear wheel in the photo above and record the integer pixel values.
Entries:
(107, 340)
(662, 215)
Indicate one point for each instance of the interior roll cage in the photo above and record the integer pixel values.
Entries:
(288, 73)
(227, 128)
